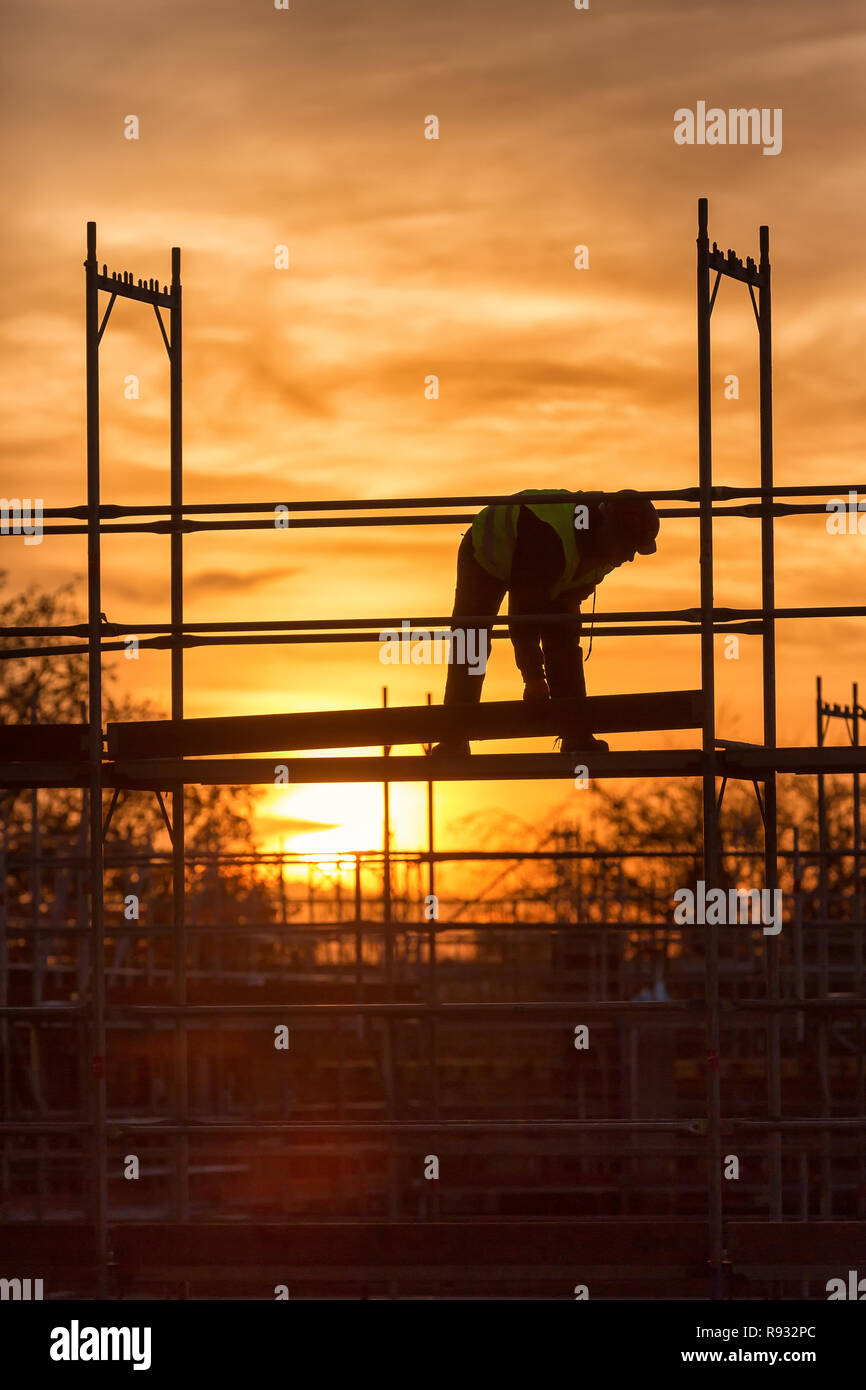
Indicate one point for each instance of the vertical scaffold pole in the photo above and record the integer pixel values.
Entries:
(389, 1064)
(6, 1024)
(822, 959)
(181, 1071)
(432, 988)
(768, 647)
(857, 906)
(94, 717)
(710, 812)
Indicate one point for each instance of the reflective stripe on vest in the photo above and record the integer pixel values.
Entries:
(494, 536)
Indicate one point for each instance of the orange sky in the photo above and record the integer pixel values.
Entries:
(408, 257)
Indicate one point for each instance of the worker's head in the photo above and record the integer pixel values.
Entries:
(629, 526)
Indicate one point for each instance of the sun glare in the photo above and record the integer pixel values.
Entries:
(335, 819)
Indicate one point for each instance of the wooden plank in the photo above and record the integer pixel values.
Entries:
(29, 1250)
(841, 1244)
(286, 1272)
(56, 773)
(127, 290)
(407, 724)
(404, 1245)
(57, 742)
(746, 762)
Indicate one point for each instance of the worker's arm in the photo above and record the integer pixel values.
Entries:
(560, 642)
(526, 596)
(576, 596)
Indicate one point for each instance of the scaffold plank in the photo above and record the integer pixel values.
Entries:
(56, 773)
(20, 742)
(30, 1248)
(407, 724)
(757, 762)
(839, 1244)
(404, 1245)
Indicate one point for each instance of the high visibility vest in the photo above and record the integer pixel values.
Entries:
(494, 537)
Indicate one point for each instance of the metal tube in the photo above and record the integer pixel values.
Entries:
(181, 1060)
(768, 657)
(692, 1011)
(420, 856)
(265, 1127)
(355, 504)
(799, 965)
(859, 907)
(708, 744)
(825, 1196)
(290, 639)
(167, 526)
(94, 741)
(467, 926)
(388, 1058)
(432, 989)
(692, 615)
(202, 1128)
(6, 1027)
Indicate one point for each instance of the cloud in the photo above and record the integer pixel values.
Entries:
(205, 582)
(271, 823)
(230, 581)
(410, 258)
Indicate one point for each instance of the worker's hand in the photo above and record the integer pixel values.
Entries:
(536, 691)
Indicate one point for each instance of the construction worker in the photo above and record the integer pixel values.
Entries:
(548, 557)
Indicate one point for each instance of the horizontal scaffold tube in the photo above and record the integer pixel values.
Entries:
(720, 493)
(187, 525)
(643, 623)
(164, 774)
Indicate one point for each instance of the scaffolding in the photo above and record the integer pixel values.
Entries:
(405, 1002)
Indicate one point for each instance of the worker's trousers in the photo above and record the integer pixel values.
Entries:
(479, 594)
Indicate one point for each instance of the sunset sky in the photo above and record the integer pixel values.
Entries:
(408, 257)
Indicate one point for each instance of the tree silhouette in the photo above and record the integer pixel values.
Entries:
(53, 689)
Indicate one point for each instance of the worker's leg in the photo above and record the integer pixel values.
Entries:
(563, 665)
(563, 656)
(477, 593)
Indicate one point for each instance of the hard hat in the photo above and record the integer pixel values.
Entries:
(637, 516)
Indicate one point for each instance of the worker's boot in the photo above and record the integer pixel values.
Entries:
(451, 748)
(581, 742)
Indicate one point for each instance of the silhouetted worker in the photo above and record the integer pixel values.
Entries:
(548, 557)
